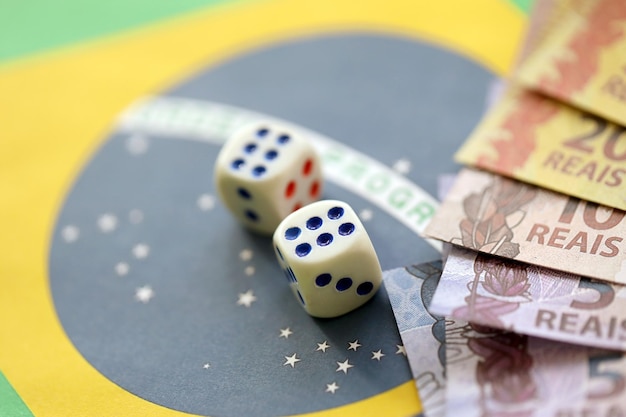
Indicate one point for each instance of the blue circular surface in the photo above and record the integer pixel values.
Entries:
(168, 297)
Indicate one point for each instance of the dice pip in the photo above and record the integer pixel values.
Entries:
(328, 258)
(266, 171)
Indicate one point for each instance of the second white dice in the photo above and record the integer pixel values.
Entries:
(264, 172)
(328, 258)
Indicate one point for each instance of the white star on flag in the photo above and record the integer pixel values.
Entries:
(141, 251)
(285, 333)
(70, 233)
(107, 223)
(137, 144)
(402, 166)
(332, 387)
(245, 255)
(206, 202)
(322, 346)
(144, 294)
(122, 269)
(206, 365)
(377, 355)
(344, 366)
(366, 215)
(354, 345)
(401, 350)
(249, 271)
(246, 298)
(291, 360)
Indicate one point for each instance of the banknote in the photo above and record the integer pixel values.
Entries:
(494, 373)
(531, 300)
(541, 141)
(410, 290)
(508, 218)
(583, 61)
(545, 16)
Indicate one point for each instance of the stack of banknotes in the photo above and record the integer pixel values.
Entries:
(526, 313)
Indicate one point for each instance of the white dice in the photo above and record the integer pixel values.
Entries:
(328, 258)
(264, 172)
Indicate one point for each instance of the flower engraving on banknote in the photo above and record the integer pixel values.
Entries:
(492, 214)
(495, 373)
(502, 368)
(504, 286)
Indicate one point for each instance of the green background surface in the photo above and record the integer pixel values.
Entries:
(32, 26)
(10, 403)
(29, 27)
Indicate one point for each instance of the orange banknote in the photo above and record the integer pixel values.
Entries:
(583, 61)
(544, 17)
(541, 141)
